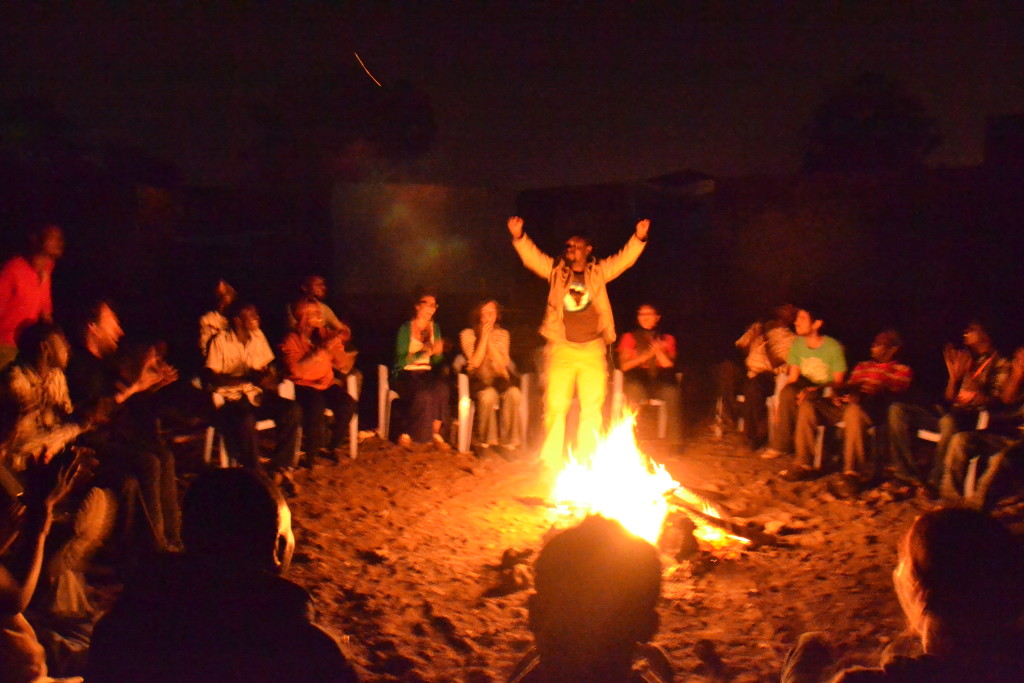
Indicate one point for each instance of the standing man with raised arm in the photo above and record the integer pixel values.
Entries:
(578, 326)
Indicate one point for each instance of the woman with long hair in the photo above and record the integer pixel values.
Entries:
(492, 378)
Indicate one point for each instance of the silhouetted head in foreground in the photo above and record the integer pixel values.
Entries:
(597, 587)
(239, 518)
(958, 580)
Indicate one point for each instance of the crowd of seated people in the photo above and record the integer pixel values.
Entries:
(81, 442)
(978, 417)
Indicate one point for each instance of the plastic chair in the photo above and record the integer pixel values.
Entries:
(384, 398)
(619, 399)
(467, 411)
(286, 390)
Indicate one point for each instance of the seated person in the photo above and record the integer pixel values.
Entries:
(999, 445)
(766, 346)
(240, 373)
(215, 321)
(958, 582)
(312, 353)
(594, 610)
(22, 658)
(861, 402)
(815, 361)
(315, 287)
(492, 379)
(222, 610)
(422, 387)
(115, 400)
(976, 376)
(647, 358)
(35, 423)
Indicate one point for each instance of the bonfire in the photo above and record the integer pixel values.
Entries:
(619, 481)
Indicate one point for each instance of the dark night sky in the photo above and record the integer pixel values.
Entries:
(524, 97)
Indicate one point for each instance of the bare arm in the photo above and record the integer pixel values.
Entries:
(16, 589)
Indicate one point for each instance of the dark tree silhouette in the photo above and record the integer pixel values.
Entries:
(870, 124)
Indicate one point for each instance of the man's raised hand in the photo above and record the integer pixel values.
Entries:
(642, 226)
(515, 227)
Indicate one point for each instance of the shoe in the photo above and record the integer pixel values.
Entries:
(849, 485)
(285, 482)
(405, 441)
(440, 444)
(799, 474)
(771, 454)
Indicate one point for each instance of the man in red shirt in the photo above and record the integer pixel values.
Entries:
(25, 288)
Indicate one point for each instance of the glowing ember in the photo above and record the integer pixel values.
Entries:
(620, 482)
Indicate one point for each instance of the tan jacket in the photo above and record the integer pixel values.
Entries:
(559, 276)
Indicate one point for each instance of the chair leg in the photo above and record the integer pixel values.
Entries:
(223, 451)
(971, 478)
(662, 420)
(353, 424)
(208, 444)
(819, 445)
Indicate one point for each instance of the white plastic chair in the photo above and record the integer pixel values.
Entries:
(384, 398)
(286, 390)
(467, 411)
(619, 400)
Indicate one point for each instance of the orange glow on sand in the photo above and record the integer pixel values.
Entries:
(620, 482)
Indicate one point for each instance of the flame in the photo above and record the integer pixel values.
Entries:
(620, 482)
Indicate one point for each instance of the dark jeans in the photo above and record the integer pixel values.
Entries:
(423, 398)
(150, 465)
(314, 423)
(755, 413)
(640, 386)
(236, 421)
(905, 419)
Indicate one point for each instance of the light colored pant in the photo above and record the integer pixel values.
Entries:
(497, 416)
(810, 414)
(581, 367)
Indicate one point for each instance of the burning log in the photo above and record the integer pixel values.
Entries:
(756, 537)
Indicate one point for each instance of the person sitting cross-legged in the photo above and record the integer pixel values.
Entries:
(221, 610)
(594, 613)
(241, 376)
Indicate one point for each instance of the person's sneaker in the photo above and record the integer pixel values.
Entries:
(770, 454)
(440, 444)
(405, 441)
